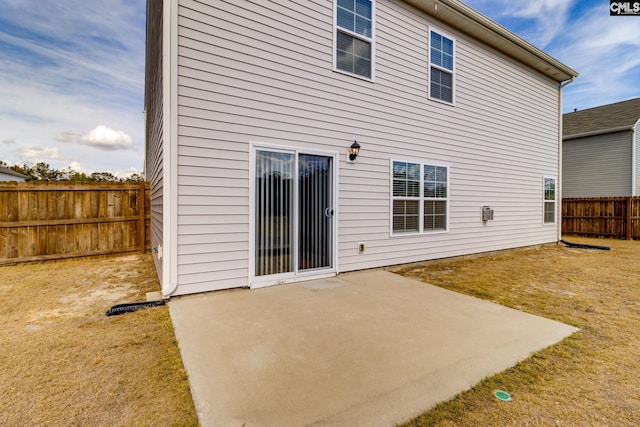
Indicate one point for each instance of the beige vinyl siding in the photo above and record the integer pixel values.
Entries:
(598, 165)
(154, 125)
(261, 72)
(636, 170)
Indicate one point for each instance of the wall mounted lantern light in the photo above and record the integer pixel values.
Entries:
(354, 150)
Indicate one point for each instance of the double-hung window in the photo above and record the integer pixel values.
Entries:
(354, 37)
(435, 197)
(549, 200)
(441, 69)
(419, 197)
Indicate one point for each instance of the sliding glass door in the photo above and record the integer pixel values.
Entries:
(293, 213)
(315, 212)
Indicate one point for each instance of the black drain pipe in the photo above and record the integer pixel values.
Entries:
(583, 246)
(129, 307)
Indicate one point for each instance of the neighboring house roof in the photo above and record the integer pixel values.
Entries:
(7, 171)
(605, 119)
(473, 23)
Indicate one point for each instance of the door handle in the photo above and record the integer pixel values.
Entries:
(328, 212)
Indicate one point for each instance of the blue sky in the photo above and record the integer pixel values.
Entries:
(603, 49)
(72, 83)
(72, 72)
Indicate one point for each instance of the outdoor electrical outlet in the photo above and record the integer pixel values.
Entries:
(360, 248)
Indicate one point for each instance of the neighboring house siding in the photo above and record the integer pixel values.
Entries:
(8, 177)
(261, 72)
(8, 174)
(154, 127)
(598, 165)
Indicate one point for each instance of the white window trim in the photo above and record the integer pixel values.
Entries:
(421, 198)
(453, 71)
(545, 201)
(370, 40)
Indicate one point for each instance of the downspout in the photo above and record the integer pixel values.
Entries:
(634, 154)
(559, 183)
(170, 148)
(144, 121)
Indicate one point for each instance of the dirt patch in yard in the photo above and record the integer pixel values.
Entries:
(590, 378)
(63, 362)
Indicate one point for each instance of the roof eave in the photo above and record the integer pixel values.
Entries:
(478, 26)
(599, 132)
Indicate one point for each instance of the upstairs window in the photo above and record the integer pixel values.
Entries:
(354, 37)
(441, 67)
(549, 200)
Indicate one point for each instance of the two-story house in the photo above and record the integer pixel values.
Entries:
(290, 140)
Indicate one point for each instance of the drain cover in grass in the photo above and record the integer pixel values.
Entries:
(503, 395)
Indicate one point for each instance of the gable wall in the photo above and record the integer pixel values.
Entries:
(597, 166)
(262, 72)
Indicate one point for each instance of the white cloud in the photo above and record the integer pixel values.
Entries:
(127, 173)
(9, 141)
(538, 21)
(581, 34)
(108, 139)
(40, 154)
(604, 50)
(76, 166)
(66, 66)
(550, 18)
(68, 136)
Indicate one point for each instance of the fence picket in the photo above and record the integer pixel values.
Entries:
(613, 217)
(50, 220)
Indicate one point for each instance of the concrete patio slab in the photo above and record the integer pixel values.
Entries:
(368, 348)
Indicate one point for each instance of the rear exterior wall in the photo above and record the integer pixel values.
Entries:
(261, 72)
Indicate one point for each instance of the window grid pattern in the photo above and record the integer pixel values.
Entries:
(419, 197)
(435, 195)
(354, 37)
(441, 69)
(406, 197)
(549, 200)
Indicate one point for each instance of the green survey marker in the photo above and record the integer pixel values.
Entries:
(503, 395)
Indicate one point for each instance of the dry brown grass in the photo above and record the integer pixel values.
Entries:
(590, 378)
(64, 363)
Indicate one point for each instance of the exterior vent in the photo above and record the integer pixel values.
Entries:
(487, 214)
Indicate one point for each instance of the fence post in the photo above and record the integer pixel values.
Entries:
(142, 237)
(627, 231)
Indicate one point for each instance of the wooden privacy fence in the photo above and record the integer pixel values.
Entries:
(51, 220)
(615, 217)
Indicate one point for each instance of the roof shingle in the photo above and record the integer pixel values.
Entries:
(600, 119)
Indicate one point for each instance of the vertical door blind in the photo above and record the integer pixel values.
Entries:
(274, 212)
(315, 212)
(276, 205)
